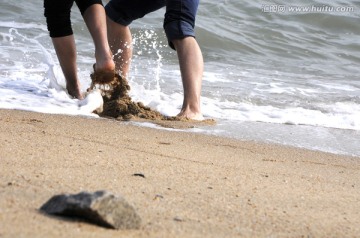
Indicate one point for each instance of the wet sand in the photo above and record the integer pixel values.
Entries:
(193, 185)
(119, 105)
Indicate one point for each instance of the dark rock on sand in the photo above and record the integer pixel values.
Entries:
(139, 175)
(101, 208)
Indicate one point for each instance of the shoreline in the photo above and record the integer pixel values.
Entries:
(195, 185)
(316, 138)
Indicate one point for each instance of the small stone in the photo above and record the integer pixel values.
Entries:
(101, 208)
(158, 196)
(139, 175)
(178, 219)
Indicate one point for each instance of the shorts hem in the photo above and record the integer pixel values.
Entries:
(176, 30)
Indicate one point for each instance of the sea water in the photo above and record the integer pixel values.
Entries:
(276, 71)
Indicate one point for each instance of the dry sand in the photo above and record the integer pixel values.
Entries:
(194, 185)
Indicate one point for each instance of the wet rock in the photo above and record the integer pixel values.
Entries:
(101, 208)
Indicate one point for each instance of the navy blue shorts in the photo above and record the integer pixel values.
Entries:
(57, 15)
(179, 19)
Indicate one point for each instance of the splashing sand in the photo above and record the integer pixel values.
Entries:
(119, 105)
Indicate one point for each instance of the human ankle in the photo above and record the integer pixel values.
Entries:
(104, 61)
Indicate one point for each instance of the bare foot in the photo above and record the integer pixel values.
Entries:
(104, 66)
(104, 70)
(105, 63)
(191, 116)
(74, 90)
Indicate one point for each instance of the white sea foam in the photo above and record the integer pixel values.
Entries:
(93, 102)
(21, 25)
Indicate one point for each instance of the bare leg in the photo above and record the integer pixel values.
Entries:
(120, 41)
(190, 60)
(66, 51)
(191, 68)
(95, 19)
(65, 48)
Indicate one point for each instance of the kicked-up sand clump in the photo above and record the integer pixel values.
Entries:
(119, 105)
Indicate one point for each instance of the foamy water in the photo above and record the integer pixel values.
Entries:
(288, 78)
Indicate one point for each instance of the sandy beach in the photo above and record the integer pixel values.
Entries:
(193, 186)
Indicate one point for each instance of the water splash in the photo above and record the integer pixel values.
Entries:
(148, 46)
(47, 59)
